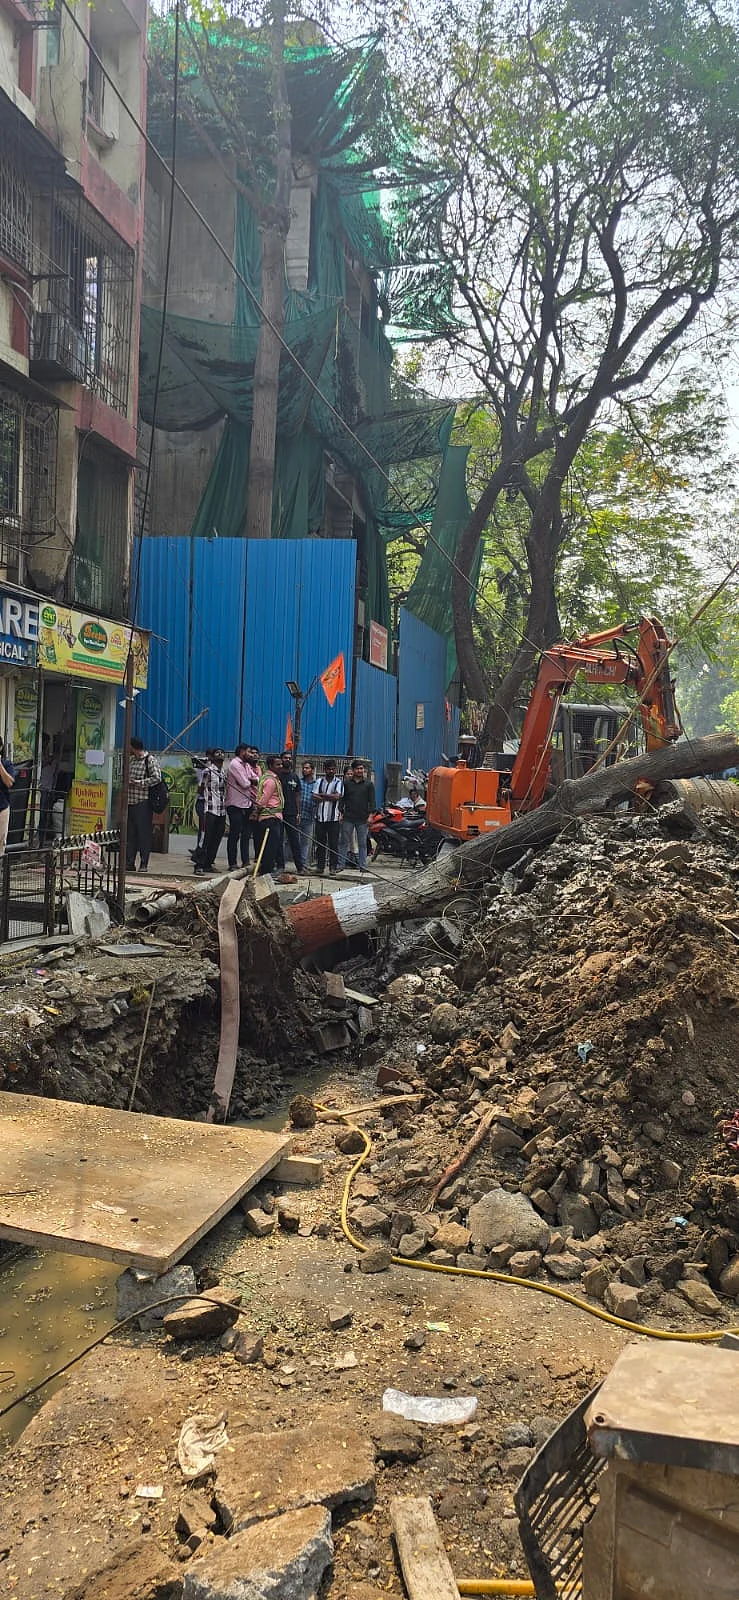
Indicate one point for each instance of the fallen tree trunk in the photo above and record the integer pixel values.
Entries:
(323, 921)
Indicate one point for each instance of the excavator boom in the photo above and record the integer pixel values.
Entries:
(644, 666)
(464, 802)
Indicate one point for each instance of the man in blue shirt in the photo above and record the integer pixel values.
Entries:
(307, 806)
(7, 779)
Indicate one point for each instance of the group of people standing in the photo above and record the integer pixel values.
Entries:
(266, 804)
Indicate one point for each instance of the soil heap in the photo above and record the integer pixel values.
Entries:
(593, 1017)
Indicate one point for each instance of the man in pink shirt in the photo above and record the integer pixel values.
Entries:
(241, 790)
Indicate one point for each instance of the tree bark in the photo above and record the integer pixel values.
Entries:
(274, 224)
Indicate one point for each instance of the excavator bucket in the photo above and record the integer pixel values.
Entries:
(700, 794)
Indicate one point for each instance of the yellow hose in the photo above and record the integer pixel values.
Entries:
(502, 1586)
(504, 1277)
(496, 1586)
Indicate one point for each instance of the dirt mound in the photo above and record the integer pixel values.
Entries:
(595, 1005)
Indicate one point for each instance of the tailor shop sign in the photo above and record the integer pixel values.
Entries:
(19, 630)
(89, 647)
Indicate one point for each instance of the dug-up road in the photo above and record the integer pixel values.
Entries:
(72, 1523)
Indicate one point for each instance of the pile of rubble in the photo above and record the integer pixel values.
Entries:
(593, 1019)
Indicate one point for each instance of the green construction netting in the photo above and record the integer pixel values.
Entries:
(348, 132)
(430, 596)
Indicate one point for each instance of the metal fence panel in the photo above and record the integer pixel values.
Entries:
(34, 884)
(374, 719)
(216, 648)
(164, 605)
(422, 696)
(299, 617)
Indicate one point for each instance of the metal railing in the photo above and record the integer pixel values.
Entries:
(34, 883)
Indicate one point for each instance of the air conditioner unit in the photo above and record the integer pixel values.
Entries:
(59, 349)
(88, 583)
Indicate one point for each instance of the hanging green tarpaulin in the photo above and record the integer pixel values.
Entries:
(430, 596)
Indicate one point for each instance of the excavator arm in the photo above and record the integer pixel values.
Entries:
(642, 664)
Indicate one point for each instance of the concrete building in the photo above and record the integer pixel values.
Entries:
(239, 618)
(71, 219)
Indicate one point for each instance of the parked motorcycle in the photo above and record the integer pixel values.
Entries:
(406, 835)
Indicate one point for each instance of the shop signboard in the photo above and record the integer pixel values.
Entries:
(24, 725)
(88, 801)
(81, 646)
(19, 628)
(378, 646)
(88, 806)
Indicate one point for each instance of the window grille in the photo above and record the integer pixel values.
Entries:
(97, 570)
(16, 215)
(95, 90)
(86, 301)
(28, 461)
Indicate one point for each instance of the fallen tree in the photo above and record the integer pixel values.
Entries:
(320, 922)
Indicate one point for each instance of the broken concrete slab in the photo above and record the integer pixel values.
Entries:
(137, 1570)
(282, 1558)
(328, 1036)
(204, 1318)
(87, 914)
(334, 989)
(331, 1465)
(258, 1222)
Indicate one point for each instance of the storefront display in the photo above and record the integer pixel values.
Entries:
(61, 674)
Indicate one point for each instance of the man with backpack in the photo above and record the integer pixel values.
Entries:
(144, 791)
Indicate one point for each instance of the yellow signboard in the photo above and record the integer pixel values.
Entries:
(82, 646)
(88, 804)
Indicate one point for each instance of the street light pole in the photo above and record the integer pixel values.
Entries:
(299, 699)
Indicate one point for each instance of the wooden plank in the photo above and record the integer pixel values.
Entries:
(426, 1570)
(298, 1169)
(361, 999)
(120, 1185)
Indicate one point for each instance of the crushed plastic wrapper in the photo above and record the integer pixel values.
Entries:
(429, 1408)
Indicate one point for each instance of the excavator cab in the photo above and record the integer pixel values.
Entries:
(582, 735)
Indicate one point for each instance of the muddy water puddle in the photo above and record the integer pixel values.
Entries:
(51, 1307)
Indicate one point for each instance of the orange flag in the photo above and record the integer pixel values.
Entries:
(333, 680)
(289, 741)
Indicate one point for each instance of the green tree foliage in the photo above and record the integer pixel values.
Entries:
(591, 218)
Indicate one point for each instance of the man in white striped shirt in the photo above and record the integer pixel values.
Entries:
(328, 791)
(213, 788)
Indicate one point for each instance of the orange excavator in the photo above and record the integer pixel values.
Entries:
(464, 801)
